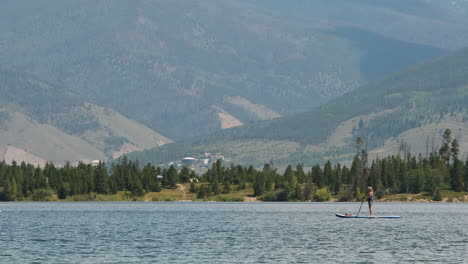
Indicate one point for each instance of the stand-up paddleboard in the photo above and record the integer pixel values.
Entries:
(360, 216)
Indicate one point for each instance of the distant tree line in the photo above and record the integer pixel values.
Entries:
(402, 173)
(18, 182)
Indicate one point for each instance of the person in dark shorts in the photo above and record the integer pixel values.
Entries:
(370, 200)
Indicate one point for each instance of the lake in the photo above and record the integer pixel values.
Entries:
(131, 232)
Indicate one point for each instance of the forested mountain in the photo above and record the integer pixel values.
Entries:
(186, 68)
(408, 109)
(431, 22)
(42, 122)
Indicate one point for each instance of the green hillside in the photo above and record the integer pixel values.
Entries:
(175, 66)
(434, 94)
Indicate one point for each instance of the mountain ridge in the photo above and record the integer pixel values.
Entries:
(422, 95)
(53, 124)
(165, 63)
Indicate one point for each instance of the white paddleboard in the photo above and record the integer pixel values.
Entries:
(360, 216)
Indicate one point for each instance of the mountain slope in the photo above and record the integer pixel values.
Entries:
(45, 141)
(115, 133)
(9, 154)
(166, 63)
(425, 96)
(430, 22)
(54, 124)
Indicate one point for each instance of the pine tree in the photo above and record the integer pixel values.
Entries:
(220, 170)
(259, 184)
(214, 185)
(384, 173)
(309, 191)
(403, 179)
(136, 186)
(172, 176)
(466, 175)
(203, 191)
(290, 176)
(271, 179)
(455, 149)
(184, 175)
(50, 173)
(416, 179)
(434, 180)
(356, 174)
(165, 180)
(27, 187)
(457, 175)
(301, 177)
(251, 172)
(102, 179)
(437, 195)
(226, 187)
(297, 192)
(90, 178)
(327, 174)
(193, 188)
(40, 181)
(10, 190)
(346, 175)
(316, 174)
(392, 171)
(338, 179)
(64, 191)
(444, 150)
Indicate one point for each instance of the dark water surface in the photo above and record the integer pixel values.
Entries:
(230, 233)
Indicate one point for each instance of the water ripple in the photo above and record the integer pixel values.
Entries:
(229, 233)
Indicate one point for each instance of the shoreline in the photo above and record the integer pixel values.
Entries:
(182, 195)
(219, 201)
(201, 201)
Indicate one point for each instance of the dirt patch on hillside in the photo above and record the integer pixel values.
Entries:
(124, 149)
(15, 154)
(260, 111)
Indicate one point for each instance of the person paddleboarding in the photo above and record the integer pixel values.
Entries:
(370, 200)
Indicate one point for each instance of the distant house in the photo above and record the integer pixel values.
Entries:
(218, 156)
(188, 161)
(159, 177)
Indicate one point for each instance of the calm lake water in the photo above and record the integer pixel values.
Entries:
(230, 233)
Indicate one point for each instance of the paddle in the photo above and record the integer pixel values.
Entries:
(361, 205)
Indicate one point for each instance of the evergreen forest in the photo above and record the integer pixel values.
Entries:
(441, 169)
